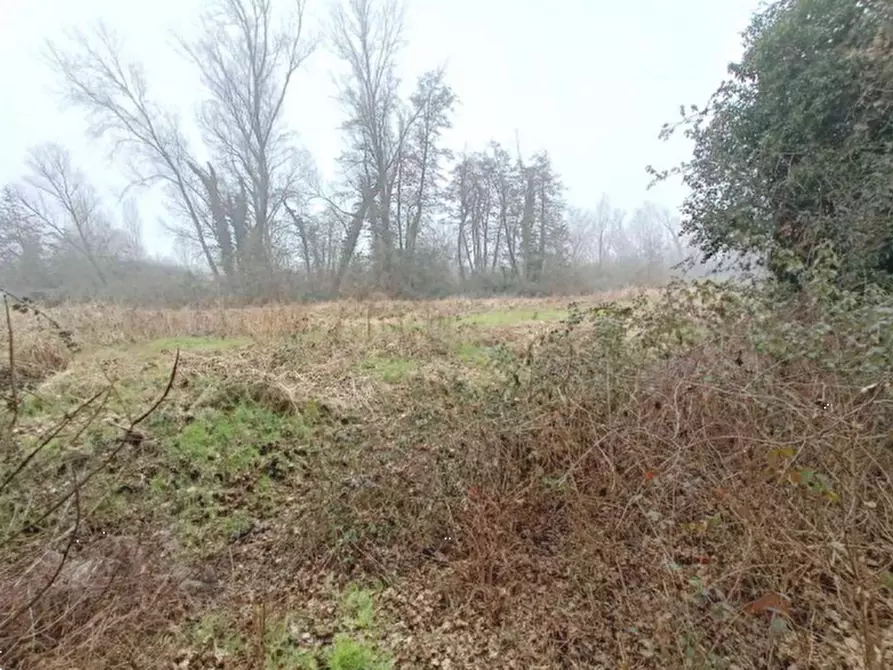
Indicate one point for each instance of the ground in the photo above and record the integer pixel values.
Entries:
(370, 485)
(267, 405)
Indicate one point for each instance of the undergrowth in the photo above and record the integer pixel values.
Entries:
(698, 479)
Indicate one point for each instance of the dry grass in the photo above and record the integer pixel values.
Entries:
(109, 590)
(104, 324)
(652, 489)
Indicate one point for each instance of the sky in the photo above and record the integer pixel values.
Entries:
(590, 81)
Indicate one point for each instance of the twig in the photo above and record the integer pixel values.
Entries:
(260, 622)
(47, 438)
(13, 393)
(72, 538)
(122, 442)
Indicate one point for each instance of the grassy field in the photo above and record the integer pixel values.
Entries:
(454, 484)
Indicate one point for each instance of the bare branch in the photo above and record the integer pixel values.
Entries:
(247, 60)
(114, 94)
(60, 199)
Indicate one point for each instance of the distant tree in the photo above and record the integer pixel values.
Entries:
(417, 190)
(796, 147)
(394, 153)
(367, 35)
(22, 244)
(590, 232)
(129, 239)
(509, 217)
(246, 58)
(59, 202)
(472, 200)
(115, 95)
(650, 239)
(544, 234)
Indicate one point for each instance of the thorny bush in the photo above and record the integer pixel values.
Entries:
(700, 480)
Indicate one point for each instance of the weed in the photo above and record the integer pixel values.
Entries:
(349, 654)
(390, 370)
(213, 630)
(280, 650)
(358, 607)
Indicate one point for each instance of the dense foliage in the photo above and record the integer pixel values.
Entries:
(794, 149)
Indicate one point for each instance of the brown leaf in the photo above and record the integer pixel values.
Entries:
(769, 602)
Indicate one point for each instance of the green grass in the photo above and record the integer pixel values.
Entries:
(347, 651)
(229, 442)
(222, 454)
(473, 354)
(140, 372)
(280, 650)
(358, 607)
(390, 370)
(213, 630)
(512, 317)
(349, 654)
(195, 344)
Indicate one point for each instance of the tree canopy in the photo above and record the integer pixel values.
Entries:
(793, 150)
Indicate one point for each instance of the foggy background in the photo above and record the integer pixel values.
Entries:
(589, 83)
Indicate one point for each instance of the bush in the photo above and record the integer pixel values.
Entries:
(723, 453)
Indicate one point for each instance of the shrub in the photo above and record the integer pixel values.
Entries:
(723, 453)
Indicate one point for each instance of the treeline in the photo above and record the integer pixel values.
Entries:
(406, 217)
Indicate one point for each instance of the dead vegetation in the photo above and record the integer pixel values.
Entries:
(686, 481)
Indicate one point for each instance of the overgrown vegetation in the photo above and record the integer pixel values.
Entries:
(675, 480)
(696, 477)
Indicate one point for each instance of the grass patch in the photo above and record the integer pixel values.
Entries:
(350, 654)
(474, 354)
(229, 443)
(222, 469)
(513, 317)
(358, 607)
(390, 370)
(288, 643)
(196, 344)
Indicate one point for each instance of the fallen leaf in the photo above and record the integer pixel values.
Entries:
(770, 602)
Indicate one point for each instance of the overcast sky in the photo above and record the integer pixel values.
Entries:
(591, 81)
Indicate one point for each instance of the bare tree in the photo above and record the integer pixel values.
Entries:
(590, 232)
(649, 237)
(114, 93)
(417, 189)
(23, 252)
(507, 184)
(472, 190)
(58, 198)
(672, 228)
(367, 36)
(582, 226)
(21, 241)
(247, 58)
(129, 239)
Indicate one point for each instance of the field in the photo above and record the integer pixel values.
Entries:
(453, 484)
